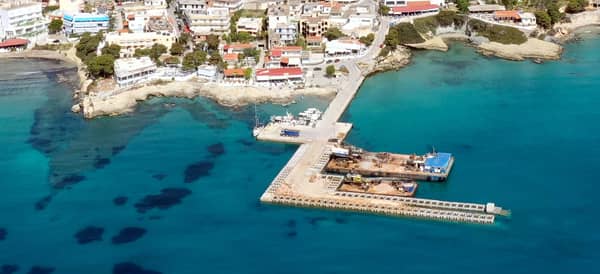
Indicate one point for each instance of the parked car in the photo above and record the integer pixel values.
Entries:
(337, 60)
(317, 69)
(329, 62)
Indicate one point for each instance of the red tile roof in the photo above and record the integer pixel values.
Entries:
(287, 48)
(279, 71)
(275, 53)
(233, 72)
(230, 57)
(13, 43)
(415, 7)
(238, 46)
(507, 14)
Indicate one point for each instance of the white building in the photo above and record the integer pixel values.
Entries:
(79, 23)
(249, 25)
(344, 47)
(278, 75)
(362, 21)
(209, 21)
(129, 42)
(207, 72)
(231, 5)
(281, 31)
(528, 19)
(155, 3)
(130, 71)
(22, 19)
(70, 6)
(191, 6)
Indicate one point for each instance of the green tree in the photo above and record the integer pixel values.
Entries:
(367, 40)
(193, 59)
(509, 4)
(87, 46)
(185, 38)
(576, 6)
(176, 49)
(333, 34)
(244, 37)
(55, 26)
(301, 42)
(102, 65)
(157, 50)
(384, 10)
(554, 13)
(112, 49)
(215, 58)
(212, 41)
(248, 73)
(330, 71)
(463, 5)
(543, 19)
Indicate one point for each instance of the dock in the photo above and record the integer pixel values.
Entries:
(306, 182)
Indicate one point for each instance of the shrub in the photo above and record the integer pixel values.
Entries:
(444, 18)
(403, 33)
(497, 33)
(576, 6)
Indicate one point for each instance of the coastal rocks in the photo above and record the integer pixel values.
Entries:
(167, 198)
(131, 268)
(128, 235)
(533, 48)
(231, 96)
(76, 108)
(394, 61)
(435, 43)
(89, 234)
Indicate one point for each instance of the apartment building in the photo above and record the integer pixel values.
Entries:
(208, 21)
(130, 71)
(314, 25)
(191, 6)
(249, 25)
(129, 42)
(22, 19)
(231, 5)
(78, 23)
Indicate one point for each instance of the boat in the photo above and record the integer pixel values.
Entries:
(258, 128)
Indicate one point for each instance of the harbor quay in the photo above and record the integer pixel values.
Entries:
(315, 174)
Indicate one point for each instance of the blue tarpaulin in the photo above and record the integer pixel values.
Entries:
(440, 160)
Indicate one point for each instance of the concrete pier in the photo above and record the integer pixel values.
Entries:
(303, 183)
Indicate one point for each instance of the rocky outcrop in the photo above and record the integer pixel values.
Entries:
(533, 48)
(393, 61)
(435, 43)
(126, 101)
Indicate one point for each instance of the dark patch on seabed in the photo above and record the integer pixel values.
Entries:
(68, 180)
(245, 142)
(42, 203)
(196, 170)
(41, 270)
(120, 200)
(101, 162)
(159, 176)
(66, 138)
(3, 234)
(167, 198)
(216, 149)
(128, 235)
(131, 268)
(201, 113)
(89, 234)
(9, 268)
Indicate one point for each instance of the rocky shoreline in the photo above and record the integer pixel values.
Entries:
(231, 96)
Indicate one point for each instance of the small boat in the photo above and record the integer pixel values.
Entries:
(258, 128)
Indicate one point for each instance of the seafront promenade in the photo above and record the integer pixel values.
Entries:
(301, 182)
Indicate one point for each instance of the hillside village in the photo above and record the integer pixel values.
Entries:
(285, 44)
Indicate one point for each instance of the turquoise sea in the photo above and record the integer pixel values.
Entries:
(175, 189)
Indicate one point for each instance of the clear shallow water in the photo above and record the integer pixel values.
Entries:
(525, 136)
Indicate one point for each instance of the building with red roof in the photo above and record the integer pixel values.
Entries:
(237, 47)
(15, 44)
(414, 8)
(235, 74)
(294, 74)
